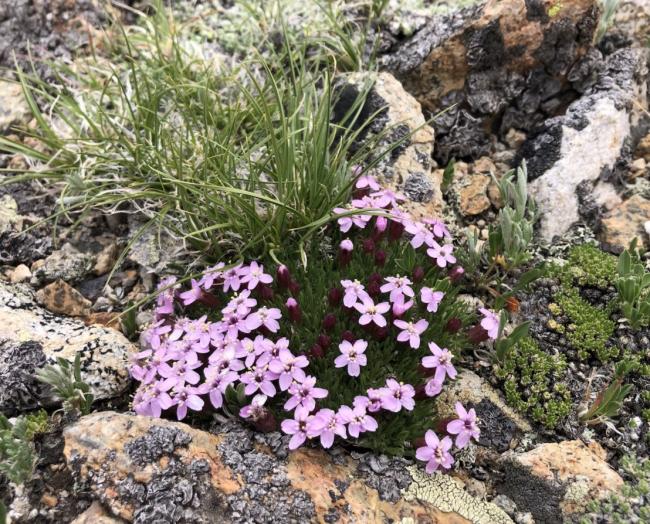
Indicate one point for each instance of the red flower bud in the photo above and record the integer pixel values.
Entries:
(368, 245)
(349, 336)
(426, 372)
(329, 322)
(418, 274)
(293, 310)
(420, 393)
(477, 334)
(266, 423)
(324, 341)
(456, 274)
(294, 287)
(334, 296)
(381, 333)
(266, 293)
(317, 351)
(375, 277)
(374, 289)
(380, 258)
(282, 276)
(419, 442)
(453, 325)
(395, 230)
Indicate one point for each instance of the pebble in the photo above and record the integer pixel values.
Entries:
(20, 274)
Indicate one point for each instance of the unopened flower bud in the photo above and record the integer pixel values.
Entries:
(401, 307)
(317, 351)
(329, 322)
(395, 230)
(420, 393)
(368, 245)
(345, 252)
(380, 258)
(282, 276)
(453, 325)
(294, 287)
(293, 310)
(418, 274)
(349, 336)
(381, 333)
(381, 224)
(266, 293)
(477, 334)
(334, 296)
(324, 341)
(375, 277)
(266, 423)
(456, 274)
(374, 289)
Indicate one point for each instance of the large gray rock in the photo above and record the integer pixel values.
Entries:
(67, 264)
(569, 154)
(31, 337)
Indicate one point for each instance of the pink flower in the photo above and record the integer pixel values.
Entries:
(367, 181)
(297, 427)
(211, 274)
(441, 361)
(396, 396)
(253, 274)
(371, 312)
(258, 379)
(346, 245)
(186, 397)
(438, 227)
(411, 331)
(215, 385)
(490, 323)
(240, 305)
(180, 372)
(441, 254)
(231, 279)
(267, 317)
(326, 424)
(435, 453)
(304, 394)
(433, 387)
(372, 402)
(255, 410)
(192, 295)
(464, 426)
(400, 307)
(352, 356)
(153, 401)
(398, 287)
(431, 298)
(357, 420)
(288, 368)
(354, 291)
(420, 232)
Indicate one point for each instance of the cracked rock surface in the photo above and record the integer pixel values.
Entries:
(31, 337)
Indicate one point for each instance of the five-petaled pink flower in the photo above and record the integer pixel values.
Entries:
(464, 426)
(431, 298)
(297, 427)
(267, 317)
(289, 368)
(253, 275)
(396, 396)
(411, 331)
(326, 424)
(371, 312)
(354, 291)
(304, 394)
(398, 287)
(435, 453)
(490, 323)
(357, 420)
(441, 254)
(352, 356)
(441, 361)
(367, 181)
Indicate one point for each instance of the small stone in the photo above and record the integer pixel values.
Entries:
(10, 220)
(506, 504)
(485, 166)
(473, 195)
(638, 166)
(106, 259)
(61, 298)
(20, 274)
(96, 514)
(625, 223)
(556, 480)
(514, 138)
(49, 500)
(13, 107)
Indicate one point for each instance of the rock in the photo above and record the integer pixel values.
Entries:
(31, 337)
(473, 195)
(66, 264)
(96, 514)
(569, 151)
(505, 58)
(515, 138)
(632, 19)
(153, 249)
(61, 298)
(625, 223)
(499, 423)
(408, 168)
(143, 469)
(643, 147)
(19, 274)
(638, 166)
(10, 220)
(556, 480)
(106, 259)
(13, 107)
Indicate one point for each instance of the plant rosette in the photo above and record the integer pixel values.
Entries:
(354, 346)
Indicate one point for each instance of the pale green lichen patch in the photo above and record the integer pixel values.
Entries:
(445, 493)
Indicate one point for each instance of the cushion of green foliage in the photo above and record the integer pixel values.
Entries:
(534, 383)
(592, 267)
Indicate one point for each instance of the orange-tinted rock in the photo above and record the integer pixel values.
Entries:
(625, 223)
(60, 297)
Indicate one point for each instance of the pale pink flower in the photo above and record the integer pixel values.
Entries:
(352, 356)
(442, 254)
(464, 426)
(435, 453)
(371, 312)
(490, 323)
(411, 331)
(441, 361)
(398, 287)
(297, 427)
(431, 298)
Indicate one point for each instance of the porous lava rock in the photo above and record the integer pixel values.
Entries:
(142, 468)
(31, 337)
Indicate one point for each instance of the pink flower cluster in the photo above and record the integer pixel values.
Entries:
(189, 364)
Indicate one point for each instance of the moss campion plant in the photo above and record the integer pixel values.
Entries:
(355, 345)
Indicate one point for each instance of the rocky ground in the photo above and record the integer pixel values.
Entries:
(523, 82)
